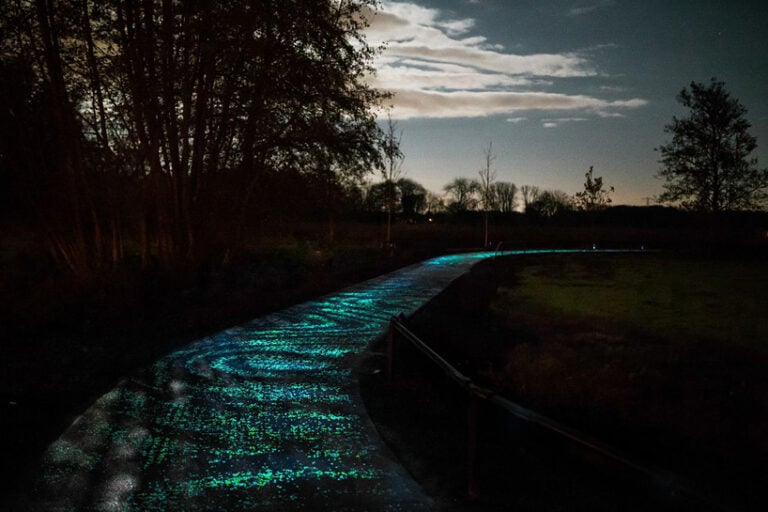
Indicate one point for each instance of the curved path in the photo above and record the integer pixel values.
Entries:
(263, 416)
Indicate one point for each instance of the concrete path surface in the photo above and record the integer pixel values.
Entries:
(263, 416)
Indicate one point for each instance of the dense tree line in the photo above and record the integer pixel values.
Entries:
(167, 129)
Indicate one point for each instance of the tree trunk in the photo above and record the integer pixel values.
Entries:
(69, 149)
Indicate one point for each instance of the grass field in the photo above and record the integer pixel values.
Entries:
(676, 347)
(660, 355)
(682, 300)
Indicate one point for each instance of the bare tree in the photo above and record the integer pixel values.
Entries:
(529, 193)
(391, 171)
(506, 196)
(461, 195)
(434, 203)
(486, 189)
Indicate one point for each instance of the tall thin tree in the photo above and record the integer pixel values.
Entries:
(391, 171)
(485, 187)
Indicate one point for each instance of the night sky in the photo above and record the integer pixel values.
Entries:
(559, 86)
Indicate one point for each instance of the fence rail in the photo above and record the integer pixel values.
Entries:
(398, 330)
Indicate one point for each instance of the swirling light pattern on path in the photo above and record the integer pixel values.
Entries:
(263, 416)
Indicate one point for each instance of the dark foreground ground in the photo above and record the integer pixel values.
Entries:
(708, 453)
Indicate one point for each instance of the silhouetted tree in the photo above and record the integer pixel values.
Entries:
(331, 195)
(25, 142)
(461, 195)
(506, 196)
(413, 196)
(410, 197)
(60, 184)
(434, 203)
(550, 203)
(485, 189)
(167, 120)
(529, 193)
(593, 197)
(377, 197)
(391, 170)
(707, 165)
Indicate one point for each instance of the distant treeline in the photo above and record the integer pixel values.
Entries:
(655, 216)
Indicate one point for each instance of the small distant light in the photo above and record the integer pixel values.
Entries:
(594, 247)
(430, 220)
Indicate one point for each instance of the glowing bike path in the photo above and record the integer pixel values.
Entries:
(263, 416)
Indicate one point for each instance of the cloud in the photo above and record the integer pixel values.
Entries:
(421, 75)
(604, 114)
(469, 53)
(516, 120)
(586, 9)
(437, 68)
(452, 104)
(612, 88)
(554, 123)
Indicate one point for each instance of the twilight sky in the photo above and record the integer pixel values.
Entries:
(559, 85)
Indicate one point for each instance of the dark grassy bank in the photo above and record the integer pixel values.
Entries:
(661, 356)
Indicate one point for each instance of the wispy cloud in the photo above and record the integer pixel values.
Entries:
(438, 68)
(588, 8)
(445, 104)
(554, 123)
